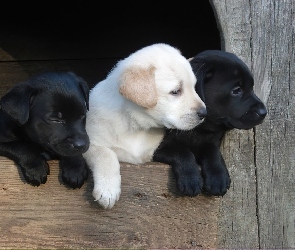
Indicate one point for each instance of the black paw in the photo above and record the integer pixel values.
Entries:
(74, 173)
(190, 185)
(75, 177)
(35, 172)
(216, 184)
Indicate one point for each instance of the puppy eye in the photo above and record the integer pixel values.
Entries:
(208, 76)
(58, 118)
(176, 92)
(237, 91)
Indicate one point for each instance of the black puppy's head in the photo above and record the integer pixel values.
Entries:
(225, 83)
(50, 109)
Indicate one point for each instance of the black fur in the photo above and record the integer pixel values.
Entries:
(225, 84)
(43, 119)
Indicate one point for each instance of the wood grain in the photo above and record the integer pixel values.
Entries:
(149, 214)
(263, 206)
(275, 138)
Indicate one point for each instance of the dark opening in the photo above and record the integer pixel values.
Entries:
(107, 30)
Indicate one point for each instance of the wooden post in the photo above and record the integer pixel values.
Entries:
(263, 215)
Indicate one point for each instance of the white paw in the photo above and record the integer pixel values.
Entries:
(107, 191)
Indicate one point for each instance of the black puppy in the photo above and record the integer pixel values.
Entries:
(43, 119)
(226, 85)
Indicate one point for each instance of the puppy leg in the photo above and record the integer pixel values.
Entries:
(74, 170)
(184, 166)
(29, 157)
(214, 171)
(105, 168)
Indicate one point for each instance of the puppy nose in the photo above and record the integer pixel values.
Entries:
(262, 112)
(79, 143)
(202, 113)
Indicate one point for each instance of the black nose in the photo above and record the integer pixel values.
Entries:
(202, 113)
(262, 111)
(79, 143)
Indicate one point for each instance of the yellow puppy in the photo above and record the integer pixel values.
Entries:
(151, 89)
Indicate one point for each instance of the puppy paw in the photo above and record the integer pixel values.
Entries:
(190, 185)
(216, 184)
(107, 192)
(35, 172)
(75, 177)
(74, 171)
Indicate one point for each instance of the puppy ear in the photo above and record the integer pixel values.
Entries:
(203, 73)
(83, 86)
(85, 89)
(138, 85)
(16, 103)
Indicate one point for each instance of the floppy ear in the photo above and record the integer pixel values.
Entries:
(85, 89)
(203, 73)
(83, 86)
(16, 103)
(138, 85)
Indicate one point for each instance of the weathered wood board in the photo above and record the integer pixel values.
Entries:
(149, 214)
(262, 201)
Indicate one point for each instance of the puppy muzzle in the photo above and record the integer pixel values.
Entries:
(71, 146)
(79, 144)
(254, 116)
(202, 113)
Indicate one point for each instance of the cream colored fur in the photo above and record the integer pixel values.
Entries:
(151, 89)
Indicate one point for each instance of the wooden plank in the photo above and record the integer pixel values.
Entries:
(149, 214)
(262, 33)
(273, 50)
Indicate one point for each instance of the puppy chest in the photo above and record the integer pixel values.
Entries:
(138, 148)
